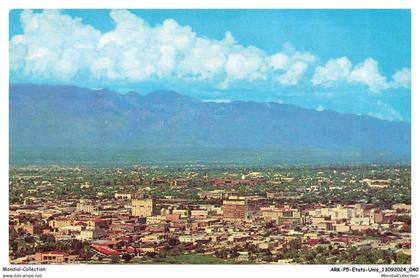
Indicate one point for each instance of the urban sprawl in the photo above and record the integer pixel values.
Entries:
(196, 214)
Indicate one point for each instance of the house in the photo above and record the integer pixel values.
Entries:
(55, 257)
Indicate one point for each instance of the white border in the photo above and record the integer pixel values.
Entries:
(195, 271)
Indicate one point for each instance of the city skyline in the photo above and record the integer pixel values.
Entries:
(200, 215)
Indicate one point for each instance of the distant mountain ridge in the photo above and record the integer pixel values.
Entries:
(51, 118)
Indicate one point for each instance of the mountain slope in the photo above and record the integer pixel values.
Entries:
(51, 118)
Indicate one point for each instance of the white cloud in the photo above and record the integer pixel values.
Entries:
(52, 46)
(278, 61)
(333, 71)
(320, 108)
(341, 70)
(245, 64)
(402, 78)
(368, 73)
(59, 47)
(293, 74)
(295, 65)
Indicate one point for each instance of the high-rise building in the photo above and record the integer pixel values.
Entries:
(235, 208)
(142, 207)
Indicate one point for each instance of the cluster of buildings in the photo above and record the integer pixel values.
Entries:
(138, 224)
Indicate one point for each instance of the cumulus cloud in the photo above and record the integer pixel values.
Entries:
(402, 78)
(52, 45)
(334, 70)
(295, 65)
(367, 73)
(293, 74)
(56, 46)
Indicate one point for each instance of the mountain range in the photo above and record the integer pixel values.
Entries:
(59, 124)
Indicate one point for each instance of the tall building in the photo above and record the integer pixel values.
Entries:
(235, 208)
(142, 207)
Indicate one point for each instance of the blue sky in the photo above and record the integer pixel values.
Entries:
(352, 61)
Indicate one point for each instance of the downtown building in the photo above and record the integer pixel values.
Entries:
(143, 207)
(240, 207)
(235, 208)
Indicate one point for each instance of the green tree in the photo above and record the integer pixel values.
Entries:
(126, 257)
(115, 259)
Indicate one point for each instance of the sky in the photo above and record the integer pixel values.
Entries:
(350, 61)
